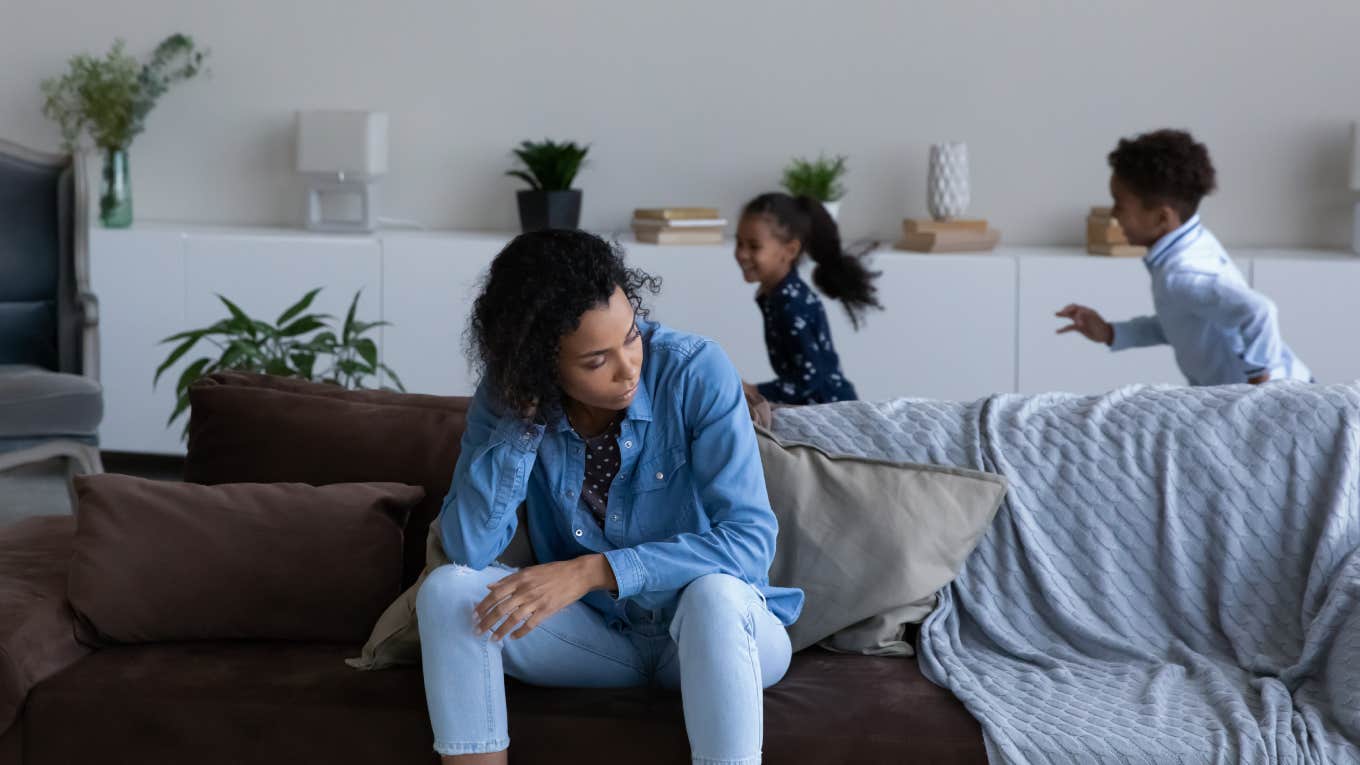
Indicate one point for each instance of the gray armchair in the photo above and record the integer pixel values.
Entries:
(51, 402)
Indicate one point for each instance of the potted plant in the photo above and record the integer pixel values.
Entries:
(549, 168)
(819, 179)
(297, 344)
(110, 98)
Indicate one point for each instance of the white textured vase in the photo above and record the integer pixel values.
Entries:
(833, 209)
(947, 180)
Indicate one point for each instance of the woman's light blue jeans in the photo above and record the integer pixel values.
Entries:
(721, 649)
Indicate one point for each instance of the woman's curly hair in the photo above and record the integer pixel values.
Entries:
(536, 291)
(1166, 166)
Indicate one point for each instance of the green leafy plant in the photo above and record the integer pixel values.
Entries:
(549, 165)
(111, 97)
(297, 344)
(819, 178)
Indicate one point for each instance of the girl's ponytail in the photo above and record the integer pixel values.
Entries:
(838, 275)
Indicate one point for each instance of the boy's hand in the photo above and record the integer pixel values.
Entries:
(1264, 377)
(1088, 322)
(528, 596)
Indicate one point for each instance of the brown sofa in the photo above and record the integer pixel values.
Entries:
(65, 698)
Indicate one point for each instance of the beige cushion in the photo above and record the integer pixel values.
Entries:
(870, 542)
(396, 637)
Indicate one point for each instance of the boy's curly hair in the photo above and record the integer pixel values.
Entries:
(536, 291)
(1165, 167)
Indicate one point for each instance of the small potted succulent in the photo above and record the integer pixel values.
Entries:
(820, 179)
(549, 168)
(109, 98)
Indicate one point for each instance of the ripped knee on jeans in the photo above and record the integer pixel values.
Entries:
(461, 570)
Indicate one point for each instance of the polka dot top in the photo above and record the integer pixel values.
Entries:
(602, 465)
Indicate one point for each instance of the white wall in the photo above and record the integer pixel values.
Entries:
(703, 101)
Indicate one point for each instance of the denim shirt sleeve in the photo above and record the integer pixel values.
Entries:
(726, 468)
(1240, 309)
(1137, 333)
(478, 517)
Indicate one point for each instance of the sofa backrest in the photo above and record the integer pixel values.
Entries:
(258, 428)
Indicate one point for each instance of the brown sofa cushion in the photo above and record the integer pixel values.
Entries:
(12, 746)
(36, 635)
(228, 703)
(246, 427)
(155, 560)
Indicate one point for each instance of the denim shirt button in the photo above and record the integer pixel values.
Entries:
(628, 444)
(580, 533)
(660, 476)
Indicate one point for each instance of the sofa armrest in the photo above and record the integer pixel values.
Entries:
(89, 334)
(37, 626)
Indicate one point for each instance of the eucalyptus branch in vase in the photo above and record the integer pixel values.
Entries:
(109, 99)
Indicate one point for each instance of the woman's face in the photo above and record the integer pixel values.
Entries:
(600, 363)
(763, 258)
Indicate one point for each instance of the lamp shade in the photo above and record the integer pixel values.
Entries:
(338, 142)
(1355, 156)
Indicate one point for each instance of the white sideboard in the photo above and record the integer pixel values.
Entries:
(953, 326)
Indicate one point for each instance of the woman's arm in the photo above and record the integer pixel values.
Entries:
(490, 480)
(725, 464)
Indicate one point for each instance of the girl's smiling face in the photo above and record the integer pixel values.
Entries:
(764, 258)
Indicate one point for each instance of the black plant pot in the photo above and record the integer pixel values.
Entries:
(549, 209)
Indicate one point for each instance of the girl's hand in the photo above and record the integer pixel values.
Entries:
(529, 596)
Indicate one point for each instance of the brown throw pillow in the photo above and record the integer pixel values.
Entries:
(159, 561)
(263, 429)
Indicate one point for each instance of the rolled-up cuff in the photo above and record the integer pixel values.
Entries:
(524, 436)
(629, 574)
(452, 748)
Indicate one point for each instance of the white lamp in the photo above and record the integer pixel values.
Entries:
(1355, 186)
(341, 153)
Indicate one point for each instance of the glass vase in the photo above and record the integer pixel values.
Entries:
(115, 198)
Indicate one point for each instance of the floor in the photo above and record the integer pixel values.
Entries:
(43, 488)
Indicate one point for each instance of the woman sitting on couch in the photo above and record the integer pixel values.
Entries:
(632, 446)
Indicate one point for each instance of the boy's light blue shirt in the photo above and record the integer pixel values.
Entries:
(1222, 331)
(689, 498)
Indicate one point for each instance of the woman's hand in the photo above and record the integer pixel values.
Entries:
(529, 596)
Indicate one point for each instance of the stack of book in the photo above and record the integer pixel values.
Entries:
(947, 235)
(1105, 237)
(678, 225)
